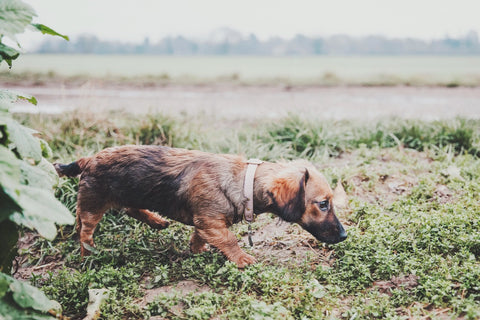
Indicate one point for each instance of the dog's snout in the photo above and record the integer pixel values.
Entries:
(342, 234)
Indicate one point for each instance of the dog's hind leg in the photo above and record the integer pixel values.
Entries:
(197, 244)
(88, 222)
(90, 210)
(151, 218)
(217, 234)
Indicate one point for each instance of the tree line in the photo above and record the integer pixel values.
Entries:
(230, 42)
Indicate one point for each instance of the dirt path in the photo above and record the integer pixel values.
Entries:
(263, 102)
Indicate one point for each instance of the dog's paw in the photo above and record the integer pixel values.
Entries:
(245, 260)
(160, 224)
(198, 248)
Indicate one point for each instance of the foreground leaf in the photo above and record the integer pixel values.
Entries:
(41, 210)
(28, 296)
(9, 172)
(8, 97)
(32, 205)
(12, 96)
(4, 104)
(8, 54)
(19, 300)
(46, 30)
(39, 176)
(27, 197)
(46, 150)
(8, 205)
(8, 245)
(9, 311)
(16, 16)
(28, 98)
(4, 284)
(22, 137)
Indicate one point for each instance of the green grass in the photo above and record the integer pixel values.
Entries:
(413, 211)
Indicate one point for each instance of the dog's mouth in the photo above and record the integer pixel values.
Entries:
(327, 235)
(341, 237)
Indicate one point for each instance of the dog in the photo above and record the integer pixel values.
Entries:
(199, 189)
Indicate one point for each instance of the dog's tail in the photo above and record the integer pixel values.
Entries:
(73, 169)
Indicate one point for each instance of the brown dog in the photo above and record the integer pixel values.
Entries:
(199, 189)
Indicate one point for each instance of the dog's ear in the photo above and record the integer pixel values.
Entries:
(288, 195)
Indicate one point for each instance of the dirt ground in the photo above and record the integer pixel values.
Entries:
(236, 102)
(278, 242)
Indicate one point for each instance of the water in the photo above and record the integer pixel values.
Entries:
(264, 102)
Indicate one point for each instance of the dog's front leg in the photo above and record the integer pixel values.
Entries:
(217, 234)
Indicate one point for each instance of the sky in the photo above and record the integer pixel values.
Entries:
(134, 20)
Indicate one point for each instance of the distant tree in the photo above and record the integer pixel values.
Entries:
(227, 41)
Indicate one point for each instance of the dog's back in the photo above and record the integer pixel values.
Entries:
(157, 178)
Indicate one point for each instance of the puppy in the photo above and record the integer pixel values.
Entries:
(200, 189)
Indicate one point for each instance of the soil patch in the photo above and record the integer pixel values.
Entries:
(183, 287)
(23, 269)
(408, 283)
(278, 241)
(381, 179)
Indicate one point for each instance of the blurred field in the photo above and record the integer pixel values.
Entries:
(322, 70)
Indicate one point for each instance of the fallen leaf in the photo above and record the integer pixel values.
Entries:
(96, 297)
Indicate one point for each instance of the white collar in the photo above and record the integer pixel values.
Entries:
(248, 188)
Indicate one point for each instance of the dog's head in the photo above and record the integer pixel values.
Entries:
(301, 194)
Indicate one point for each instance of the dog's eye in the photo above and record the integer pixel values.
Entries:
(323, 205)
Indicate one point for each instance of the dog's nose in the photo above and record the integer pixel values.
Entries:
(342, 236)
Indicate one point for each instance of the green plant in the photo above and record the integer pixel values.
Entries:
(16, 16)
(23, 301)
(26, 178)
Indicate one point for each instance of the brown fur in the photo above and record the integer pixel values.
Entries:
(199, 189)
